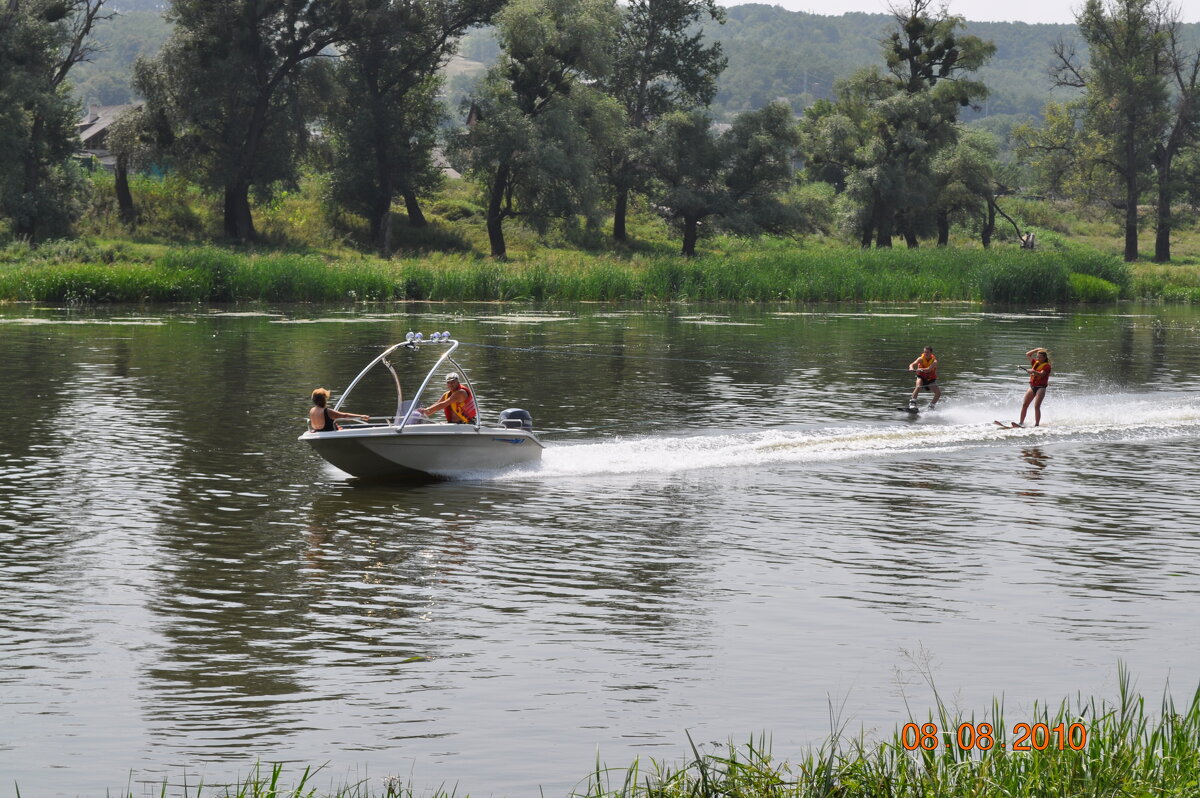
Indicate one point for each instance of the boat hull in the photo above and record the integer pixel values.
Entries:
(424, 451)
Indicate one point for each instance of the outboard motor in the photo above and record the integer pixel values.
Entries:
(516, 418)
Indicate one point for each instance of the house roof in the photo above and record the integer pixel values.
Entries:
(97, 118)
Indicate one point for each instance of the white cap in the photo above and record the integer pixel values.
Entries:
(453, 377)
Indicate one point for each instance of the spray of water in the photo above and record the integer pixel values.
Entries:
(1109, 418)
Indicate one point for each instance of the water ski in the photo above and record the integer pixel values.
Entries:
(911, 407)
(1002, 425)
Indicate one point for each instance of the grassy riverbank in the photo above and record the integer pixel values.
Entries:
(760, 271)
(1131, 749)
(311, 255)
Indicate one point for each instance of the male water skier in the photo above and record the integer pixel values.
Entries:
(1039, 378)
(926, 368)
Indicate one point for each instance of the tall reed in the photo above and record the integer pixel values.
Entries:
(771, 272)
(1132, 750)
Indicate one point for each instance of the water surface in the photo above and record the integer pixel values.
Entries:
(733, 527)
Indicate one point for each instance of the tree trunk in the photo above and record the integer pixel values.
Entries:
(239, 223)
(381, 216)
(691, 226)
(1162, 227)
(868, 231)
(495, 218)
(415, 217)
(27, 227)
(126, 209)
(883, 229)
(381, 229)
(384, 189)
(619, 211)
(989, 225)
(1131, 199)
(943, 228)
(910, 238)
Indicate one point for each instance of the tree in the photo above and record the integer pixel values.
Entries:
(531, 140)
(661, 65)
(228, 86)
(1179, 130)
(384, 122)
(880, 138)
(733, 179)
(1125, 91)
(970, 182)
(131, 141)
(40, 42)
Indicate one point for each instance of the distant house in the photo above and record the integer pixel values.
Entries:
(441, 162)
(93, 131)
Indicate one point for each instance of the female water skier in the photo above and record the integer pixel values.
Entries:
(1039, 378)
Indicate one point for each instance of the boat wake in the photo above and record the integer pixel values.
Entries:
(1110, 418)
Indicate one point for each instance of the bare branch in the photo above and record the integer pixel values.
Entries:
(87, 14)
(1067, 72)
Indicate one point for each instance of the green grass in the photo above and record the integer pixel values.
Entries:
(766, 271)
(1133, 749)
(312, 252)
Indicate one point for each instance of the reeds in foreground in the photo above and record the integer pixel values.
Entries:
(1085, 748)
(1123, 750)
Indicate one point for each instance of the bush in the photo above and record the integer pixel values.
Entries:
(1107, 267)
(214, 268)
(1021, 277)
(454, 210)
(814, 204)
(1093, 290)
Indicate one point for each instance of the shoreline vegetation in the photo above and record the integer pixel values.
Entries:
(1132, 749)
(85, 271)
(314, 254)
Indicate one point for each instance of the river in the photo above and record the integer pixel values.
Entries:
(733, 530)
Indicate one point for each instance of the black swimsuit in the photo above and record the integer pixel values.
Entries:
(329, 425)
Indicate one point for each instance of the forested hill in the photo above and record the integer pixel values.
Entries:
(775, 53)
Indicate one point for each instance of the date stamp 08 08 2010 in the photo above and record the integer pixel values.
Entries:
(982, 737)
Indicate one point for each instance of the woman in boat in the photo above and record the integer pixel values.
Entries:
(321, 418)
(1039, 378)
(457, 402)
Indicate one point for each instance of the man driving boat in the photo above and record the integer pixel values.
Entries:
(457, 402)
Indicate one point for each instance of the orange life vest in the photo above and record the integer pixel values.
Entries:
(461, 413)
(1039, 373)
(927, 363)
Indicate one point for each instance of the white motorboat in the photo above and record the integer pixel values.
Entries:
(407, 445)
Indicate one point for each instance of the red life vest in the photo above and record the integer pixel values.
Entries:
(927, 363)
(1039, 373)
(461, 413)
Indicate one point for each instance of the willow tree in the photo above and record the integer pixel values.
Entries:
(385, 117)
(532, 137)
(228, 87)
(1125, 92)
(1178, 131)
(40, 42)
(703, 180)
(661, 64)
(888, 126)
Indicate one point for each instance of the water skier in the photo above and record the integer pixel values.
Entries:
(926, 368)
(1039, 378)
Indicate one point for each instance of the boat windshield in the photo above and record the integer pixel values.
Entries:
(408, 358)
